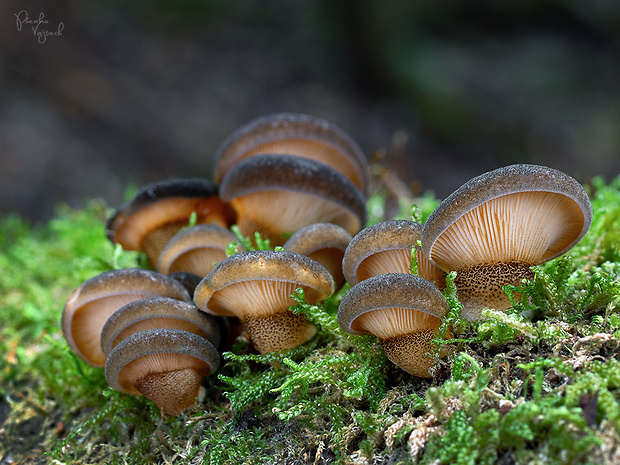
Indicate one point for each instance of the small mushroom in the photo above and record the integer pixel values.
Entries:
(295, 134)
(154, 313)
(255, 286)
(196, 249)
(166, 366)
(403, 311)
(495, 227)
(324, 243)
(92, 303)
(386, 248)
(280, 194)
(160, 209)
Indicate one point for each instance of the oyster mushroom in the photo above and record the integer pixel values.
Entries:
(196, 249)
(279, 194)
(166, 366)
(92, 303)
(160, 209)
(386, 248)
(403, 311)
(256, 286)
(495, 227)
(155, 313)
(295, 134)
(324, 243)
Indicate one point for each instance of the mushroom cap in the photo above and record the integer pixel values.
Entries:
(324, 243)
(295, 134)
(167, 203)
(187, 279)
(166, 366)
(255, 286)
(157, 312)
(92, 303)
(196, 249)
(518, 213)
(389, 290)
(278, 194)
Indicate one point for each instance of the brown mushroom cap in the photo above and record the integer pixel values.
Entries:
(280, 194)
(496, 226)
(160, 209)
(386, 248)
(196, 249)
(256, 286)
(324, 243)
(295, 134)
(157, 312)
(166, 366)
(92, 303)
(402, 310)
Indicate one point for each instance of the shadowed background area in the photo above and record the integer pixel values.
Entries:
(136, 91)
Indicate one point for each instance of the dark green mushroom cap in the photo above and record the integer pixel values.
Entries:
(306, 192)
(157, 312)
(295, 134)
(514, 179)
(166, 366)
(92, 303)
(196, 249)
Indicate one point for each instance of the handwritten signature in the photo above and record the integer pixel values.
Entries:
(41, 32)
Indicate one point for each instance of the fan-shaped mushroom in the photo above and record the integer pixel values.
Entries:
(403, 311)
(295, 134)
(196, 249)
(256, 286)
(499, 224)
(386, 248)
(160, 209)
(166, 366)
(92, 303)
(324, 243)
(157, 313)
(279, 194)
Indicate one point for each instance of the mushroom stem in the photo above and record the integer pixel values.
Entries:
(293, 329)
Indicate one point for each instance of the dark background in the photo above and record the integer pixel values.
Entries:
(136, 90)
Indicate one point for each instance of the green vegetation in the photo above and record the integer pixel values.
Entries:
(537, 384)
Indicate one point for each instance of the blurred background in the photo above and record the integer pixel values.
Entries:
(134, 90)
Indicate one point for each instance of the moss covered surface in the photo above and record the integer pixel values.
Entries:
(541, 388)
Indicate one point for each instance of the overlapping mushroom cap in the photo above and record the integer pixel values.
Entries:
(404, 311)
(280, 194)
(497, 225)
(97, 298)
(299, 135)
(255, 286)
(160, 209)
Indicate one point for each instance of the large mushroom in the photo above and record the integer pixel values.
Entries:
(160, 209)
(386, 247)
(277, 195)
(403, 311)
(91, 304)
(256, 286)
(495, 227)
(299, 135)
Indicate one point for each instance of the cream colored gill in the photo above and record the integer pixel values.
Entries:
(395, 321)
(386, 261)
(521, 227)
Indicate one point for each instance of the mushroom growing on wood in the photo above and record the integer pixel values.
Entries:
(295, 134)
(280, 194)
(495, 227)
(92, 303)
(157, 313)
(403, 311)
(166, 366)
(196, 249)
(256, 287)
(386, 248)
(160, 209)
(324, 243)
